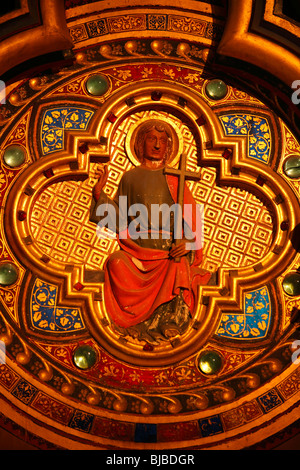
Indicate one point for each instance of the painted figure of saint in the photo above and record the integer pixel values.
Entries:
(151, 282)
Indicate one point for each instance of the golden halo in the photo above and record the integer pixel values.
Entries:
(177, 140)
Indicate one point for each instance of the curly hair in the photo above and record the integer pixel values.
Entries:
(148, 126)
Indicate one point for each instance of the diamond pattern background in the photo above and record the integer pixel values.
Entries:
(237, 226)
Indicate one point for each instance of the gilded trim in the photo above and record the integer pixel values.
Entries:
(53, 35)
(239, 43)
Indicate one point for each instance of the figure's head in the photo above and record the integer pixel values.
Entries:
(154, 141)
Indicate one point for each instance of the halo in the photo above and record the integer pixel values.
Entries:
(176, 138)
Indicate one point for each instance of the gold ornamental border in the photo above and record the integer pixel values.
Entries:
(204, 26)
(240, 436)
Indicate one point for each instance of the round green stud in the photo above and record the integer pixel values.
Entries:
(291, 166)
(210, 362)
(85, 357)
(14, 156)
(8, 274)
(216, 89)
(291, 284)
(97, 85)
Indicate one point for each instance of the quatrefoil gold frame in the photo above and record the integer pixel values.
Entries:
(227, 295)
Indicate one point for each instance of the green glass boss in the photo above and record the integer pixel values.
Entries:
(216, 89)
(97, 85)
(8, 274)
(291, 166)
(85, 357)
(14, 156)
(210, 362)
(291, 284)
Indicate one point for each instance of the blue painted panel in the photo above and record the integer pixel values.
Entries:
(257, 130)
(45, 315)
(253, 322)
(56, 121)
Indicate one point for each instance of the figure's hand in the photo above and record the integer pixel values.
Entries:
(177, 251)
(102, 179)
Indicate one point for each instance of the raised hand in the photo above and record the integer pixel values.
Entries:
(102, 179)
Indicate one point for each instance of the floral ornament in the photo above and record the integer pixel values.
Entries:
(56, 121)
(256, 128)
(253, 322)
(46, 316)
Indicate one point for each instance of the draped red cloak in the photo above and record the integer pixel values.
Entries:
(138, 280)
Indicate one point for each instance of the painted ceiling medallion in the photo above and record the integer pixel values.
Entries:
(98, 383)
(55, 248)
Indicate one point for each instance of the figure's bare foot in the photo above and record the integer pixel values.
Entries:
(171, 330)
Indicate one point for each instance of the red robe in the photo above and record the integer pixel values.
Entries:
(138, 280)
